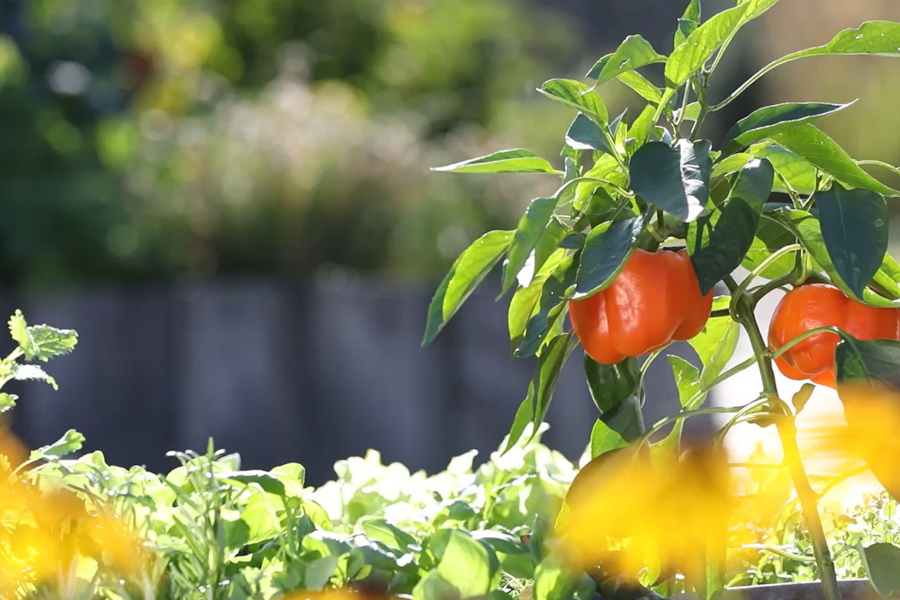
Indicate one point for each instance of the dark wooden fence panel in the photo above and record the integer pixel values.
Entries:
(292, 372)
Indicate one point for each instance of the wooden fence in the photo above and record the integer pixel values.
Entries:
(306, 372)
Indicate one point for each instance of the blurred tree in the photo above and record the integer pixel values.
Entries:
(122, 115)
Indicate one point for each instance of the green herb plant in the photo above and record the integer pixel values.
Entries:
(776, 196)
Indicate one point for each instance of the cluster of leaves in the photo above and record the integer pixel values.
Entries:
(467, 531)
(650, 181)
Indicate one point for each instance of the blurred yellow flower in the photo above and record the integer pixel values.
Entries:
(868, 436)
(625, 513)
(45, 534)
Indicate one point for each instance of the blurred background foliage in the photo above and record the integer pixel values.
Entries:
(148, 139)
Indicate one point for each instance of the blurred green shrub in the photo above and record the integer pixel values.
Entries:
(154, 138)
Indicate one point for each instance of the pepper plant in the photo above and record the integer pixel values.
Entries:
(650, 217)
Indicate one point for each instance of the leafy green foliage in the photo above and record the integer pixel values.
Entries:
(882, 562)
(823, 152)
(378, 526)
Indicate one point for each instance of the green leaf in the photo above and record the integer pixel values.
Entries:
(524, 301)
(265, 480)
(7, 401)
(548, 314)
(880, 38)
(635, 52)
(771, 120)
(718, 253)
(584, 134)
(577, 95)
(700, 45)
(888, 276)
(604, 439)
(18, 329)
(640, 128)
(540, 390)
(673, 179)
(642, 86)
(684, 30)
(687, 380)
(506, 161)
(319, 571)
(606, 250)
(873, 362)
(33, 373)
(553, 581)
(434, 587)
(51, 342)
(467, 272)
(466, 565)
(70, 442)
(692, 12)
(799, 399)
(882, 563)
(822, 151)
(715, 345)
(855, 230)
(798, 172)
(528, 233)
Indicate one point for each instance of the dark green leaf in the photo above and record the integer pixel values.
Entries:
(540, 391)
(808, 230)
(875, 362)
(263, 479)
(549, 311)
(634, 53)
(506, 161)
(585, 134)
(577, 95)
(673, 179)
(685, 28)
(528, 233)
(770, 237)
(855, 231)
(546, 375)
(822, 151)
(770, 120)
(606, 250)
(723, 248)
(467, 272)
(882, 563)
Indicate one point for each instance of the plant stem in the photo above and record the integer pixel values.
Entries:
(787, 431)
